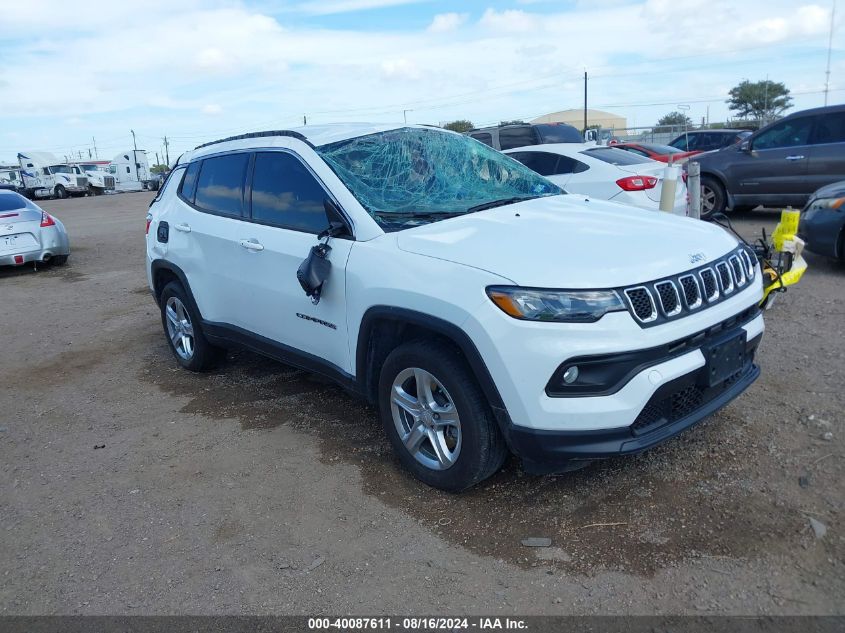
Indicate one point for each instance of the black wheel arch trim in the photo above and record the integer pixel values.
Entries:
(159, 265)
(722, 180)
(446, 329)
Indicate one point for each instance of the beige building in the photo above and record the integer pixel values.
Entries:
(607, 120)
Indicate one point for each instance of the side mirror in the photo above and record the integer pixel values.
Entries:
(745, 146)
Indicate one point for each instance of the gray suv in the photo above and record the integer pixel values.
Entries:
(779, 165)
(502, 137)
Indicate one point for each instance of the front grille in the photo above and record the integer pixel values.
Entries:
(692, 291)
(669, 299)
(81, 182)
(109, 182)
(674, 297)
(642, 303)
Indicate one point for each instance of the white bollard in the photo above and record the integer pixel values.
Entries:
(694, 188)
(667, 191)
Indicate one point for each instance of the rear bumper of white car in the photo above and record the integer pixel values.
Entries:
(51, 243)
(657, 379)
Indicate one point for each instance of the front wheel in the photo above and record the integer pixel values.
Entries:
(437, 418)
(60, 192)
(183, 329)
(713, 197)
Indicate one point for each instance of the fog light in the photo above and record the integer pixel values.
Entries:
(570, 375)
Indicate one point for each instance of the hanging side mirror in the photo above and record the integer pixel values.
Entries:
(745, 146)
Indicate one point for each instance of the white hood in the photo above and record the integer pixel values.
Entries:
(567, 242)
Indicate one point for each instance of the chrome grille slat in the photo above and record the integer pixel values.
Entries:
(642, 303)
(738, 270)
(670, 300)
(692, 291)
(711, 285)
(725, 278)
(749, 264)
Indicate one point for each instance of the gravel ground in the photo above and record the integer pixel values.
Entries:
(130, 486)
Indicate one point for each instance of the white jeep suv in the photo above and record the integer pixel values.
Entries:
(479, 306)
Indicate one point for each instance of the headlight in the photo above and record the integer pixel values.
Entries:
(827, 203)
(568, 306)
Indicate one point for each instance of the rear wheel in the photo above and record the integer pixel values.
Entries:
(437, 418)
(712, 197)
(184, 333)
(60, 192)
(59, 260)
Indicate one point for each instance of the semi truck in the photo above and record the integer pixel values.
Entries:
(44, 176)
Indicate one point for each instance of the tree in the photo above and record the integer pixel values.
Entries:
(461, 125)
(762, 100)
(159, 169)
(514, 122)
(672, 121)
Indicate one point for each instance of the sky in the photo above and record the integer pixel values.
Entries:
(197, 71)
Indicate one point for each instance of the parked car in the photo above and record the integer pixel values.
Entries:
(781, 164)
(655, 151)
(504, 137)
(606, 173)
(708, 140)
(477, 307)
(822, 224)
(29, 234)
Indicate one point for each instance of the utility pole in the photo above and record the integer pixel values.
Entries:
(304, 120)
(405, 115)
(585, 102)
(95, 148)
(133, 140)
(89, 153)
(829, 48)
(166, 152)
(157, 161)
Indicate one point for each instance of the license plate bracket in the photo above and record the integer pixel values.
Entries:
(724, 359)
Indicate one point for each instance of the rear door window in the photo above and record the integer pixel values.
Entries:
(286, 194)
(830, 128)
(510, 137)
(220, 185)
(544, 163)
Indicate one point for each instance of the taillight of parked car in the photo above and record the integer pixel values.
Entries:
(46, 220)
(637, 183)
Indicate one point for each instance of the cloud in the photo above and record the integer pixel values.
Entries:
(400, 69)
(327, 7)
(211, 109)
(510, 20)
(444, 22)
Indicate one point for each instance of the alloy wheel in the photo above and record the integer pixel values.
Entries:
(179, 328)
(426, 418)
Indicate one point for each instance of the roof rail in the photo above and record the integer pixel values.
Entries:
(239, 137)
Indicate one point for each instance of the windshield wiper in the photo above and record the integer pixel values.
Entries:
(413, 215)
(498, 203)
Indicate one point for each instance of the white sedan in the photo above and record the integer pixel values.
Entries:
(601, 172)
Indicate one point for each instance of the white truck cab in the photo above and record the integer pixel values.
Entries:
(99, 179)
(478, 306)
(44, 176)
(131, 170)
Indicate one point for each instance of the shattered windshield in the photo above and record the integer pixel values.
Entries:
(412, 175)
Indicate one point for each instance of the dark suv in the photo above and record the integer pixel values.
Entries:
(504, 137)
(708, 140)
(780, 164)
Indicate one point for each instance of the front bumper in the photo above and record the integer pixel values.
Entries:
(674, 407)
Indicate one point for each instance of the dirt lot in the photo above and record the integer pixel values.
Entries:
(257, 488)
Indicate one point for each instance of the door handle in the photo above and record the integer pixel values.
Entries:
(794, 157)
(251, 245)
(182, 227)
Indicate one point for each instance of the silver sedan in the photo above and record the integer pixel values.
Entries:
(29, 234)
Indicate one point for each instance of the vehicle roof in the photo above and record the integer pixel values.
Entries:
(716, 129)
(314, 135)
(560, 148)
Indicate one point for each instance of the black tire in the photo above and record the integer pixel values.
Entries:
(482, 450)
(204, 354)
(60, 192)
(59, 260)
(711, 186)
